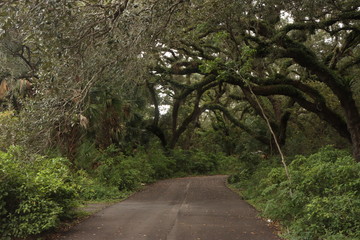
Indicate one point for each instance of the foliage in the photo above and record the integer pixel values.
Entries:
(194, 162)
(286, 53)
(301, 131)
(98, 73)
(36, 192)
(128, 173)
(162, 165)
(244, 166)
(203, 163)
(322, 200)
(87, 156)
(94, 190)
(110, 173)
(69, 65)
(8, 126)
(125, 172)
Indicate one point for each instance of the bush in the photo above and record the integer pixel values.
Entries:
(329, 182)
(94, 190)
(87, 156)
(127, 173)
(242, 167)
(182, 164)
(195, 162)
(163, 166)
(321, 201)
(9, 125)
(35, 192)
(202, 163)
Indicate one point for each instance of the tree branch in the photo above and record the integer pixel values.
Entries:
(237, 123)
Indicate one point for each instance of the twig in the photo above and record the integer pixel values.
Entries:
(273, 135)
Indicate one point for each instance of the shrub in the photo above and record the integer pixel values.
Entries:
(329, 182)
(163, 166)
(321, 201)
(241, 167)
(125, 172)
(93, 190)
(182, 164)
(194, 162)
(9, 125)
(87, 155)
(35, 192)
(202, 163)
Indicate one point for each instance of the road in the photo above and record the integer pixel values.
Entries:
(193, 208)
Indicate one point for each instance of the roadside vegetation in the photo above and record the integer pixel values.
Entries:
(99, 98)
(321, 201)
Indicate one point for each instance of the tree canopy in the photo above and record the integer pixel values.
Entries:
(99, 97)
(106, 67)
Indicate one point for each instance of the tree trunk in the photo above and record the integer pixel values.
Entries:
(353, 123)
(335, 82)
(159, 133)
(355, 137)
(176, 135)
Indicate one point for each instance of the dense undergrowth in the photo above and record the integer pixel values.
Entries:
(37, 192)
(321, 201)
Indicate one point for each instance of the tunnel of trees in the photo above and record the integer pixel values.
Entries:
(163, 83)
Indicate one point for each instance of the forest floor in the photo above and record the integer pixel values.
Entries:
(192, 208)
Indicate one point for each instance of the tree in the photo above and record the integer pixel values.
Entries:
(275, 48)
(285, 56)
(67, 63)
(187, 104)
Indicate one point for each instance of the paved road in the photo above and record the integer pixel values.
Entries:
(194, 208)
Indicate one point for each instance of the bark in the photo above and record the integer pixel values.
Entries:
(281, 133)
(159, 133)
(318, 108)
(334, 81)
(155, 102)
(178, 131)
(353, 123)
(175, 114)
(197, 111)
(280, 122)
(179, 68)
(282, 118)
(154, 127)
(328, 75)
(237, 123)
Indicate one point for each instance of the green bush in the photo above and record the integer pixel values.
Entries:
(242, 167)
(321, 201)
(182, 164)
(125, 172)
(35, 192)
(87, 155)
(329, 181)
(10, 129)
(94, 190)
(163, 166)
(202, 163)
(195, 162)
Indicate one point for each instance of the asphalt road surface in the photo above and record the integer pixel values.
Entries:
(194, 208)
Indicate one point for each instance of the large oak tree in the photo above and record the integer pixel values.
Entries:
(271, 48)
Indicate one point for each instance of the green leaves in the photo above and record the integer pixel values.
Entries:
(34, 215)
(325, 200)
(209, 66)
(125, 173)
(35, 192)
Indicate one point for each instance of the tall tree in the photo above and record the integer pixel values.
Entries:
(274, 48)
(71, 49)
